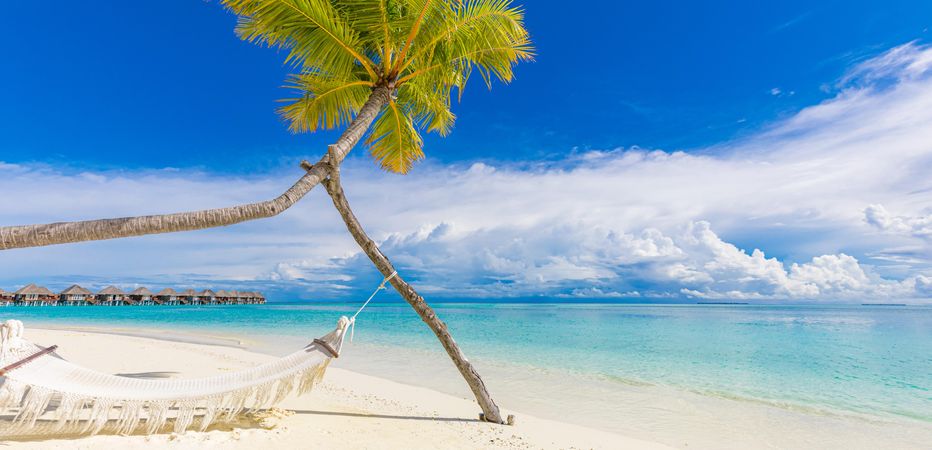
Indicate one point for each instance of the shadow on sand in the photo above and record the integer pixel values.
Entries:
(384, 416)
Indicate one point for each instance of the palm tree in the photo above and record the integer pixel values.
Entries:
(388, 65)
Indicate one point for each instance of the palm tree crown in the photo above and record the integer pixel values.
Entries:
(420, 49)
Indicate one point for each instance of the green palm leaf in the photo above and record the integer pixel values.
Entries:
(326, 102)
(314, 32)
(424, 49)
(394, 140)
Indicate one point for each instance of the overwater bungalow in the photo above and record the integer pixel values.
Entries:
(166, 296)
(208, 297)
(256, 298)
(188, 297)
(75, 296)
(32, 295)
(110, 296)
(6, 298)
(223, 297)
(140, 296)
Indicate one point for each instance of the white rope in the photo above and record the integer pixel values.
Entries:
(376, 291)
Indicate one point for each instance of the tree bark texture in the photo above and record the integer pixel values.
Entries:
(94, 230)
(489, 408)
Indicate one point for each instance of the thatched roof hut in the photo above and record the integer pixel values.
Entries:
(207, 293)
(140, 295)
(109, 294)
(111, 290)
(4, 295)
(187, 296)
(222, 296)
(33, 292)
(141, 292)
(75, 293)
(32, 289)
(76, 290)
(167, 295)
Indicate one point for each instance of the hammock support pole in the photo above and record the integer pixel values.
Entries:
(27, 360)
(490, 411)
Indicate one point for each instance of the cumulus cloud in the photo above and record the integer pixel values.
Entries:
(916, 226)
(694, 261)
(780, 214)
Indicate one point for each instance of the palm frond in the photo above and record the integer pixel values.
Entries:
(380, 23)
(488, 34)
(327, 102)
(394, 140)
(314, 32)
(423, 48)
(421, 10)
(428, 104)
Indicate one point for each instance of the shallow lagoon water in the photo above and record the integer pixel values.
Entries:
(865, 361)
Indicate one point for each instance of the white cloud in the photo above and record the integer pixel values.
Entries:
(780, 214)
(916, 226)
(907, 62)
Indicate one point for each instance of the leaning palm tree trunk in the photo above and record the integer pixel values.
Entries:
(96, 230)
(335, 189)
(328, 165)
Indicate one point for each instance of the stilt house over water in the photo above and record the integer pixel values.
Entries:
(110, 296)
(6, 298)
(75, 296)
(208, 297)
(32, 295)
(141, 296)
(166, 296)
(188, 297)
(223, 297)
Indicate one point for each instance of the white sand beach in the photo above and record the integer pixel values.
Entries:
(348, 410)
(352, 410)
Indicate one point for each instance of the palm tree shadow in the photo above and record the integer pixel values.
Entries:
(384, 416)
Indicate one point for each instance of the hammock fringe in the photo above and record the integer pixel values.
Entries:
(86, 402)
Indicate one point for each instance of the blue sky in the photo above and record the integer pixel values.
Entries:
(143, 84)
(138, 107)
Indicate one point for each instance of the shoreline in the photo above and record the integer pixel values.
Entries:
(348, 410)
(643, 412)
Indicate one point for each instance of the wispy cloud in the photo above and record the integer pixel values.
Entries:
(792, 22)
(791, 212)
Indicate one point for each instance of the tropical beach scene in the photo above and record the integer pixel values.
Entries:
(466, 224)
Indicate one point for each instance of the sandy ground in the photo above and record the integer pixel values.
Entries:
(348, 410)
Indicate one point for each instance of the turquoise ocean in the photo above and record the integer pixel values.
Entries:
(872, 362)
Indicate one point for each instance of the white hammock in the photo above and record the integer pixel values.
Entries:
(70, 399)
